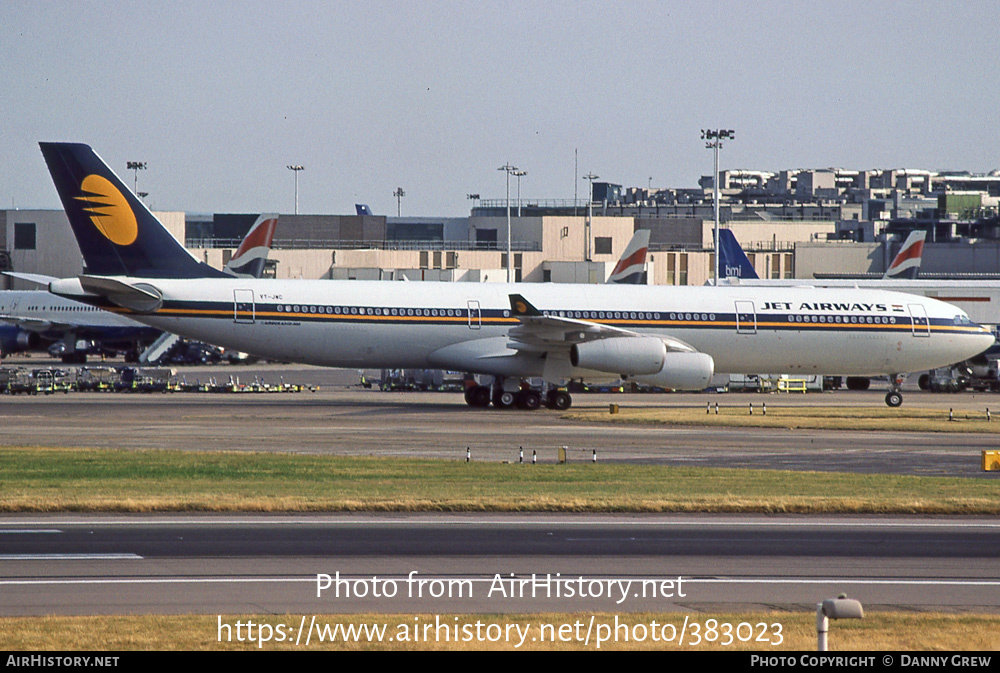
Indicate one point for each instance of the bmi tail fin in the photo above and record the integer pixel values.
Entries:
(117, 234)
(248, 262)
(733, 262)
(631, 267)
(906, 264)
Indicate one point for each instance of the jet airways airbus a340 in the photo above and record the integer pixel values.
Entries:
(674, 337)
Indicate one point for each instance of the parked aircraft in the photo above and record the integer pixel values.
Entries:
(905, 265)
(631, 267)
(30, 319)
(672, 337)
(733, 262)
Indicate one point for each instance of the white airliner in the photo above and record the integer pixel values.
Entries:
(29, 318)
(673, 337)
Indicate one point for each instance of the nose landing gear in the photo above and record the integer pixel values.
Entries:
(894, 398)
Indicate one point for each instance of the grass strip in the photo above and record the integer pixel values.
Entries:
(908, 419)
(109, 480)
(877, 632)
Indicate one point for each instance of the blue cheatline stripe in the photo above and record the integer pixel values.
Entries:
(867, 323)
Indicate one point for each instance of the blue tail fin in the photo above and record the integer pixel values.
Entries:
(733, 262)
(117, 234)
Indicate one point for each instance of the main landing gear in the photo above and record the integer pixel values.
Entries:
(528, 399)
(894, 398)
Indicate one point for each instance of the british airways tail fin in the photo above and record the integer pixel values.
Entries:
(117, 234)
(906, 264)
(632, 265)
(733, 262)
(248, 262)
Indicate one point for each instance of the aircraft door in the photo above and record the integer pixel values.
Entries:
(746, 317)
(475, 314)
(921, 324)
(243, 306)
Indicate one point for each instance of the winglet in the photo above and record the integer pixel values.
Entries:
(522, 308)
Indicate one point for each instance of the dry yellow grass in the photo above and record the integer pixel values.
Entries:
(776, 631)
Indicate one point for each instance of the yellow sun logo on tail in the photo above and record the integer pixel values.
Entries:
(111, 213)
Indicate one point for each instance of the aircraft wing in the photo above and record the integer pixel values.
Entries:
(538, 331)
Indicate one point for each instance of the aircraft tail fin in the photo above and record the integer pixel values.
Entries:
(362, 209)
(733, 262)
(248, 262)
(631, 268)
(906, 263)
(117, 234)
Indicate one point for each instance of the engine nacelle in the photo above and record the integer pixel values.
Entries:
(13, 339)
(28, 341)
(626, 356)
(682, 371)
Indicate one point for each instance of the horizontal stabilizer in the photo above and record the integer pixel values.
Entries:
(140, 297)
(36, 278)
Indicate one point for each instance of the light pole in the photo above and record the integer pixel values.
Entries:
(590, 217)
(519, 174)
(136, 166)
(296, 168)
(508, 168)
(714, 140)
(399, 194)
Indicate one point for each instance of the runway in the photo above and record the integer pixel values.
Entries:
(488, 564)
(270, 564)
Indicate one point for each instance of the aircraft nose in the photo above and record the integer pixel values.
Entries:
(983, 340)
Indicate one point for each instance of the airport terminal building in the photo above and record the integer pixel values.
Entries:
(793, 224)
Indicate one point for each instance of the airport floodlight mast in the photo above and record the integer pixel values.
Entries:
(590, 217)
(296, 168)
(509, 169)
(399, 194)
(519, 174)
(135, 167)
(714, 140)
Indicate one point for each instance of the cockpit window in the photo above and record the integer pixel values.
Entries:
(962, 319)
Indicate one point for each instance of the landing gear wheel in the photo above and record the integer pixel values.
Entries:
(477, 396)
(559, 400)
(893, 398)
(529, 400)
(504, 399)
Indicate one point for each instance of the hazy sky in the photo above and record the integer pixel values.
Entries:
(432, 96)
